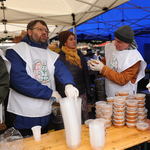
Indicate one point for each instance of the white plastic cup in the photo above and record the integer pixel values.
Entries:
(36, 132)
(71, 122)
(97, 134)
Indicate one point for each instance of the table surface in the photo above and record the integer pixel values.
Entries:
(116, 139)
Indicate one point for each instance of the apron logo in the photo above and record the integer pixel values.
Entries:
(40, 72)
(114, 63)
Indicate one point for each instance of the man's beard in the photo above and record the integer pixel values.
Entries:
(39, 40)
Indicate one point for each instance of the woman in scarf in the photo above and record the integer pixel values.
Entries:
(76, 63)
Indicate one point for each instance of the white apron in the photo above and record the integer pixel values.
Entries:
(40, 66)
(8, 66)
(120, 61)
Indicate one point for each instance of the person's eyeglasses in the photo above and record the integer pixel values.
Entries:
(41, 29)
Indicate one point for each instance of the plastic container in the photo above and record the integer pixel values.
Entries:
(106, 113)
(116, 105)
(131, 121)
(119, 117)
(130, 97)
(142, 126)
(100, 103)
(118, 121)
(141, 105)
(87, 122)
(140, 96)
(119, 113)
(131, 103)
(119, 125)
(106, 117)
(97, 134)
(131, 109)
(119, 99)
(131, 125)
(116, 93)
(124, 93)
(108, 125)
(110, 99)
(141, 109)
(141, 101)
(132, 117)
(119, 109)
(132, 113)
(106, 107)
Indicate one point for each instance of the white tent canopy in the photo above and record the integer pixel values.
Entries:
(58, 14)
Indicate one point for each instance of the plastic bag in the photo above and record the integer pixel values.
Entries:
(11, 139)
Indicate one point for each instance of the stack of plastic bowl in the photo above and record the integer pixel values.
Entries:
(106, 113)
(142, 111)
(98, 106)
(119, 111)
(110, 100)
(131, 113)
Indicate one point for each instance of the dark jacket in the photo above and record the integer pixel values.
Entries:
(4, 81)
(21, 82)
(80, 75)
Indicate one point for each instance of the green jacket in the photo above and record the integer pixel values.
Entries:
(4, 80)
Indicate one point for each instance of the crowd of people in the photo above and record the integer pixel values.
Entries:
(39, 76)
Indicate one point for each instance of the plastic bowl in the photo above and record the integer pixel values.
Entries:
(142, 126)
(87, 122)
(140, 96)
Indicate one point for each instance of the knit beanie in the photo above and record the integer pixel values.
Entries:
(125, 34)
(63, 36)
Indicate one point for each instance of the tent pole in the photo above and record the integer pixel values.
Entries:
(75, 32)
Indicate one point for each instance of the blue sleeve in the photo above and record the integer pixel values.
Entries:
(63, 73)
(21, 82)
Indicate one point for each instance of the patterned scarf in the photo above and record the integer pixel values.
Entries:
(133, 45)
(72, 56)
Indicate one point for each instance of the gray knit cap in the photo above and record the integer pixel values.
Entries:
(125, 34)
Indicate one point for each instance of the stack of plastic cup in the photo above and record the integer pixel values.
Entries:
(97, 134)
(98, 106)
(72, 122)
(131, 113)
(141, 106)
(105, 123)
(119, 111)
(106, 113)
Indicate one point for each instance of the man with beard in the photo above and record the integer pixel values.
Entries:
(32, 84)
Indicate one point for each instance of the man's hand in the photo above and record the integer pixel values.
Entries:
(71, 91)
(56, 95)
(148, 86)
(96, 65)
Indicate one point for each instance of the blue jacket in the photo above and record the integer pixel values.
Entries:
(21, 82)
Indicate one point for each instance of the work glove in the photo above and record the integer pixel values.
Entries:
(71, 91)
(148, 86)
(56, 96)
(96, 65)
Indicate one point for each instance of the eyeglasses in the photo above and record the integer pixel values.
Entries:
(41, 29)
